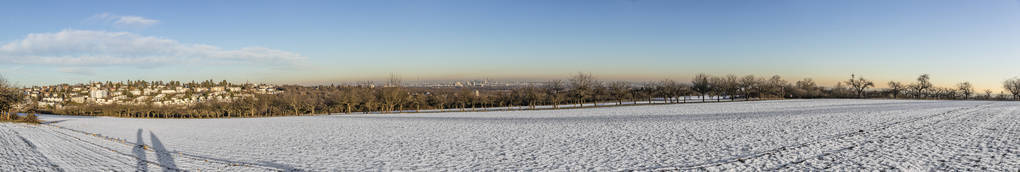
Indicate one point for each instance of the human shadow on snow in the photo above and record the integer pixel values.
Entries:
(163, 156)
(139, 152)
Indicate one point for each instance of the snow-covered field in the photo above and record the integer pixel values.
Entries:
(758, 135)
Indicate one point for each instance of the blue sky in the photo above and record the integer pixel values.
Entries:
(46, 42)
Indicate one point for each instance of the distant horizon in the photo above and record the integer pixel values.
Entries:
(323, 42)
(879, 84)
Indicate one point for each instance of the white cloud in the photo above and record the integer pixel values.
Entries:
(84, 47)
(135, 21)
(123, 21)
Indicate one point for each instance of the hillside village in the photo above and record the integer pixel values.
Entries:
(156, 93)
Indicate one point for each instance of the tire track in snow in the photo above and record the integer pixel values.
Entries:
(972, 134)
(30, 157)
(227, 163)
(75, 139)
(890, 136)
(36, 150)
(67, 148)
(871, 138)
(741, 161)
(970, 143)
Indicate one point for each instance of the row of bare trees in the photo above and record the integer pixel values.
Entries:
(581, 89)
(922, 88)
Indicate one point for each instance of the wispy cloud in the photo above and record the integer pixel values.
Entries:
(135, 21)
(123, 21)
(91, 48)
(78, 70)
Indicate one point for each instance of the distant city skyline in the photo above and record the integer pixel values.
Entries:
(321, 42)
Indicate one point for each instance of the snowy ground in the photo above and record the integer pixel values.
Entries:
(758, 135)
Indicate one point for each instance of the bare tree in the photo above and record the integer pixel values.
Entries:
(749, 85)
(895, 88)
(620, 90)
(731, 86)
(661, 89)
(776, 86)
(702, 85)
(860, 85)
(582, 86)
(370, 100)
(965, 89)
(669, 90)
(943, 93)
(922, 85)
(646, 92)
(354, 97)
(599, 93)
(555, 90)
(10, 97)
(806, 88)
(464, 98)
(718, 87)
(438, 101)
(1013, 86)
(392, 97)
(529, 95)
(418, 100)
